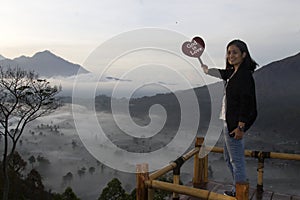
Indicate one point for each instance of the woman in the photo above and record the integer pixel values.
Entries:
(238, 106)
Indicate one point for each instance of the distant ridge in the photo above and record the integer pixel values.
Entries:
(45, 63)
(2, 57)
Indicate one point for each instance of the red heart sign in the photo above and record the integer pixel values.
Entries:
(194, 48)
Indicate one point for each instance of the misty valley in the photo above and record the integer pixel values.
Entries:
(70, 150)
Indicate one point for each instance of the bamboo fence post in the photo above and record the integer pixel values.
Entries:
(260, 173)
(176, 179)
(242, 191)
(142, 175)
(203, 165)
(205, 170)
(150, 193)
(197, 166)
(176, 175)
(200, 165)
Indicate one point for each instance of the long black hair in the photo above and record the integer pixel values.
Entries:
(248, 62)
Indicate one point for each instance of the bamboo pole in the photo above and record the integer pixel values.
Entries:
(197, 164)
(199, 193)
(196, 177)
(162, 171)
(176, 175)
(216, 149)
(176, 180)
(205, 170)
(142, 175)
(249, 153)
(285, 156)
(260, 173)
(242, 191)
(203, 164)
(172, 165)
(191, 153)
(150, 193)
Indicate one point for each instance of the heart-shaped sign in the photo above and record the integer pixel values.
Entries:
(194, 48)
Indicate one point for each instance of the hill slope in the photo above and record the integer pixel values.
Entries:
(278, 94)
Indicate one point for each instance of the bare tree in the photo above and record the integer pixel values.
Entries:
(23, 98)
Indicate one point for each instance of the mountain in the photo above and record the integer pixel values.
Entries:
(278, 95)
(45, 64)
(2, 58)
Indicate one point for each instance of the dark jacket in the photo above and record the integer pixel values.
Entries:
(240, 97)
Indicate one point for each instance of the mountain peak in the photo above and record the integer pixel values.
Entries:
(44, 53)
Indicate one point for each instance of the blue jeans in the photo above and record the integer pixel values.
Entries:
(234, 157)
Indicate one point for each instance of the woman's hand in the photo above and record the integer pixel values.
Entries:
(205, 68)
(238, 134)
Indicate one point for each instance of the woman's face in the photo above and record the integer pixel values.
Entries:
(234, 55)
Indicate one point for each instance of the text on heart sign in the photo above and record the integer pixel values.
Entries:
(193, 48)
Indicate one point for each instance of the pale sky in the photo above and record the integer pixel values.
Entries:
(73, 29)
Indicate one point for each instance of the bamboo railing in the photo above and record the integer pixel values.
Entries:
(146, 183)
(261, 156)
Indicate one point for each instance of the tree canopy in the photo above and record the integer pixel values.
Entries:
(23, 98)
